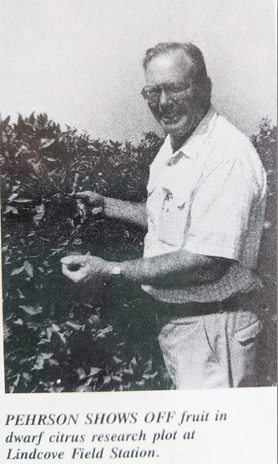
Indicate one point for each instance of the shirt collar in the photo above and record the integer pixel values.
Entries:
(193, 144)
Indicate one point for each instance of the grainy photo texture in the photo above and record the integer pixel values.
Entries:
(142, 264)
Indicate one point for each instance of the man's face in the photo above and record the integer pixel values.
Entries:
(177, 116)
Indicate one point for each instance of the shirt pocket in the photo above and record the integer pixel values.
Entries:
(173, 217)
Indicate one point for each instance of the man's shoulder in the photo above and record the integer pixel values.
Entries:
(232, 144)
(232, 149)
(228, 133)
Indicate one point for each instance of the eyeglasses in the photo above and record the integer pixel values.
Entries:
(152, 93)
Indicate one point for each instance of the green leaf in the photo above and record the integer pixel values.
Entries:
(10, 209)
(7, 332)
(107, 379)
(12, 197)
(84, 388)
(41, 358)
(81, 373)
(32, 310)
(26, 376)
(29, 268)
(17, 271)
(94, 371)
(22, 200)
(45, 143)
(75, 326)
(7, 120)
(103, 332)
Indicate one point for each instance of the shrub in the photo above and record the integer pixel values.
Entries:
(58, 338)
(265, 143)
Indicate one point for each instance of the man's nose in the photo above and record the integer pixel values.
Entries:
(164, 99)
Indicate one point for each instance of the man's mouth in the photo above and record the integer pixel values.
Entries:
(170, 118)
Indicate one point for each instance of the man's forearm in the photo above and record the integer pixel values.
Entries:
(174, 269)
(134, 213)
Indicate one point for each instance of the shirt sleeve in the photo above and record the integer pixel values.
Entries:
(221, 210)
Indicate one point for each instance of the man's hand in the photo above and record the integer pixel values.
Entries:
(134, 213)
(86, 269)
(93, 200)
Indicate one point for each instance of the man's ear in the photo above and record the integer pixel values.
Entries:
(208, 85)
(205, 88)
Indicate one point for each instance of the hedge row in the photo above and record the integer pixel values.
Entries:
(58, 338)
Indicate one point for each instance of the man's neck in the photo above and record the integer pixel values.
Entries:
(178, 141)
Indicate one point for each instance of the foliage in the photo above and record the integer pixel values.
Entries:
(58, 338)
(265, 143)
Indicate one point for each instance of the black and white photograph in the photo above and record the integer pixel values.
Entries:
(138, 145)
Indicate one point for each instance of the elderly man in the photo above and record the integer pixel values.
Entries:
(204, 217)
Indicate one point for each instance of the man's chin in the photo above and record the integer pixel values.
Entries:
(174, 127)
(170, 122)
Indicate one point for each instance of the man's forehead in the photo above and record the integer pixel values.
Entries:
(174, 62)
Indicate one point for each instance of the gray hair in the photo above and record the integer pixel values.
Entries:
(195, 55)
(190, 50)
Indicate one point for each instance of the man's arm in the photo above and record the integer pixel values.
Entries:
(177, 269)
(135, 213)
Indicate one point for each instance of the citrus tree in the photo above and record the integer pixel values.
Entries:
(60, 337)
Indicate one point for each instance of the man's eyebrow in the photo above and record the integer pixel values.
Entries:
(175, 84)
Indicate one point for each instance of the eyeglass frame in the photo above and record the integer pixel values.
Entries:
(168, 92)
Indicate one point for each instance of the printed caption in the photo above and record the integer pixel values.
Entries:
(96, 436)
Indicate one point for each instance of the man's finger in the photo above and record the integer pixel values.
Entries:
(82, 194)
(71, 275)
(74, 259)
(87, 194)
(76, 276)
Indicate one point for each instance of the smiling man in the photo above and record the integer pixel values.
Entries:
(204, 217)
(185, 81)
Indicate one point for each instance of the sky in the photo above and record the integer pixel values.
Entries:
(80, 61)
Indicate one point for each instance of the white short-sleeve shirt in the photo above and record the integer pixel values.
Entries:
(208, 198)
